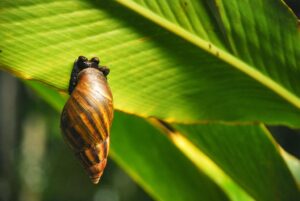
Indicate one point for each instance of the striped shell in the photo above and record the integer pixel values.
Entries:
(86, 119)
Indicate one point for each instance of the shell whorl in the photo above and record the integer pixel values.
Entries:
(86, 120)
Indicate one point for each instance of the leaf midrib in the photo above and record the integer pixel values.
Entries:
(212, 49)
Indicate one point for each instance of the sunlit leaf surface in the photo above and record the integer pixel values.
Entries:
(205, 61)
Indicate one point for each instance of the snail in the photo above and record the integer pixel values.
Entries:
(87, 115)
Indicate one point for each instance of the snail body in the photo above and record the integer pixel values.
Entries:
(87, 116)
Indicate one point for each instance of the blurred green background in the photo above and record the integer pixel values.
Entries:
(35, 162)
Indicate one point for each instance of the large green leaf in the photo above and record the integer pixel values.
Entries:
(248, 155)
(200, 75)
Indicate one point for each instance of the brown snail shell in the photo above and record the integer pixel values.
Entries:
(87, 116)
